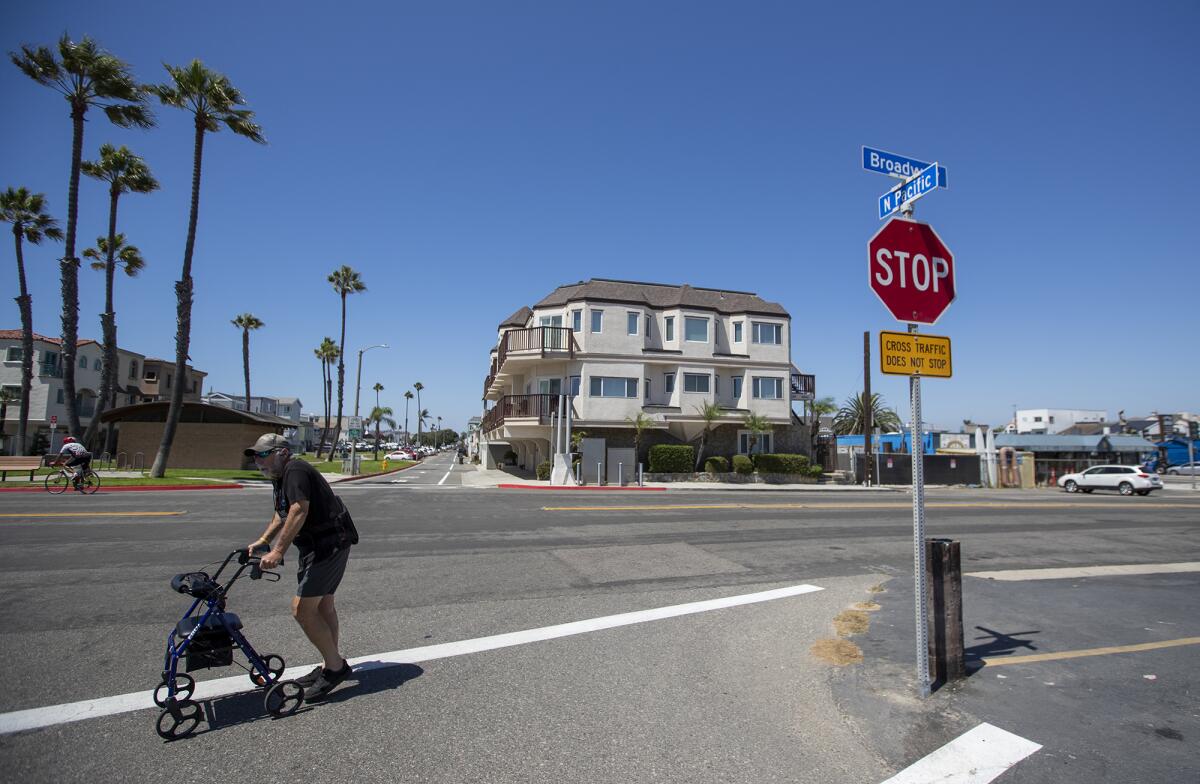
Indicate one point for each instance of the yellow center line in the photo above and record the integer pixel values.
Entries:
(91, 514)
(1039, 657)
(863, 505)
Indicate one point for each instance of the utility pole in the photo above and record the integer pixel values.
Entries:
(868, 412)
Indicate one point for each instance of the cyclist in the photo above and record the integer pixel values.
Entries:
(76, 456)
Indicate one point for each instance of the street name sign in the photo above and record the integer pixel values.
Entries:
(913, 354)
(911, 270)
(900, 166)
(913, 189)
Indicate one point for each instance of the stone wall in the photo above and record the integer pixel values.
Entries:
(197, 445)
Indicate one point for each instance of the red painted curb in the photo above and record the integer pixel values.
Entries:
(585, 487)
(368, 476)
(129, 488)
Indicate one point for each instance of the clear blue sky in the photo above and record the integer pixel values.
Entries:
(467, 158)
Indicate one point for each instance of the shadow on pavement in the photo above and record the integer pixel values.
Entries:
(998, 644)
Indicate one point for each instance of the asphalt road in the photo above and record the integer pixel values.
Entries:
(731, 694)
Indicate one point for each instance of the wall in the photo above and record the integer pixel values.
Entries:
(938, 469)
(197, 445)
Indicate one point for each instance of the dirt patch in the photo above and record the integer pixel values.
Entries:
(867, 606)
(850, 622)
(877, 589)
(837, 652)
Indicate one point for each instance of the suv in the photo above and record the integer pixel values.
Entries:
(1126, 480)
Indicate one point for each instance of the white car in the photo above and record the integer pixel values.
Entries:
(1185, 469)
(1126, 480)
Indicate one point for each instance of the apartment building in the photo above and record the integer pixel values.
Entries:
(302, 432)
(617, 349)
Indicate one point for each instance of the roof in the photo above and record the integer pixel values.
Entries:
(15, 334)
(662, 295)
(518, 319)
(192, 412)
(1040, 442)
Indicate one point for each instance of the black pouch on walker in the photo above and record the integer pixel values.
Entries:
(211, 646)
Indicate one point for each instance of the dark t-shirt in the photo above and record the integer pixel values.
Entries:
(302, 482)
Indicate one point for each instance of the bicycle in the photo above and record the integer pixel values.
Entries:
(58, 482)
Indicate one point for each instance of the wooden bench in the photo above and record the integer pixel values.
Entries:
(20, 465)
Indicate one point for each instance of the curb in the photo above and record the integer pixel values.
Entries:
(377, 473)
(586, 487)
(130, 488)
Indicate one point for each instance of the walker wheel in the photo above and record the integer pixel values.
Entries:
(284, 699)
(184, 686)
(275, 666)
(179, 719)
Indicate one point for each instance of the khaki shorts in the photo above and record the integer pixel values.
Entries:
(321, 578)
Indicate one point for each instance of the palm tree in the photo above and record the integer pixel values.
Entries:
(709, 412)
(212, 100)
(125, 173)
(327, 352)
(819, 408)
(86, 76)
(757, 425)
(419, 386)
(439, 432)
(378, 388)
(380, 414)
(345, 282)
(130, 258)
(246, 322)
(422, 417)
(641, 423)
(851, 417)
(408, 395)
(30, 223)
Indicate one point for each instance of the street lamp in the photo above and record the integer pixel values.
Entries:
(358, 382)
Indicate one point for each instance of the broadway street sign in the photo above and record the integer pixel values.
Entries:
(890, 163)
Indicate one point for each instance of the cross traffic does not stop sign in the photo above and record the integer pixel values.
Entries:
(911, 270)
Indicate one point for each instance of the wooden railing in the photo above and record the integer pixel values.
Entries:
(520, 407)
(804, 386)
(540, 339)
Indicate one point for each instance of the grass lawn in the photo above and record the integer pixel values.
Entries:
(200, 476)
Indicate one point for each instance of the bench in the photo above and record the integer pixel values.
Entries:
(20, 465)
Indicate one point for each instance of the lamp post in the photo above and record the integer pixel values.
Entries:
(358, 382)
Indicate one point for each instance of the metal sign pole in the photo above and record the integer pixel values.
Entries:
(918, 494)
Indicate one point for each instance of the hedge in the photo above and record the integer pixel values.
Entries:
(544, 468)
(716, 465)
(781, 464)
(672, 459)
(742, 465)
(815, 471)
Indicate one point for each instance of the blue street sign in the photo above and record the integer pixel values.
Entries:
(918, 186)
(897, 165)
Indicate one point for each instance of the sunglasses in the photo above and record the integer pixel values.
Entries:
(264, 454)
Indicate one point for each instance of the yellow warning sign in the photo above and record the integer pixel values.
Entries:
(914, 354)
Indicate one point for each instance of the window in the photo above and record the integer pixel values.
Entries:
(717, 384)
(632, 323)
(60, 399)
(606, 386)
(550, 321)
(737, 387)
(597, 321)
(574, 385)
(762, 445)
(285, 409)
(1035, 419)
(576, 320)
(695, 329)
(151, 375)
(670, 383)
(133, 368)
(96, 365)
(646, 389)
(13, 354)
(737, 332)
(168, 381)
(767, 333)
(549, 386)
(83, 363)
(670, 328)
(695, 382)
(766, 388)
(12, 392)
(647, 331)
(132, 400)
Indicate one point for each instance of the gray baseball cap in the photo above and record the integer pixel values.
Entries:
(266, 442)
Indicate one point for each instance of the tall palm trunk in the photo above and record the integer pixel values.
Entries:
(407, 440)
(70, 274)
(321, 437)
(108, 325)
(246, 363)
(24, 304)
(337, 432)
(420, 419)
(183, 307)
(328, 390)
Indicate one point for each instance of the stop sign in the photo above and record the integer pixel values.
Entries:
(911, 270)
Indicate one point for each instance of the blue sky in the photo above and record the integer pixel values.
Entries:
(467, 158)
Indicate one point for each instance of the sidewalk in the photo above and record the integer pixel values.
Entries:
(483, 477)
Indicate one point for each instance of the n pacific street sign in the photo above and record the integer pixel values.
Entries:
(910, 190)
(911, 270)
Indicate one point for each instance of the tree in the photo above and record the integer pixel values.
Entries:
(419, 386)
(851, 417)
(422, 418)
(757, 425)
(213, 101)
(380, 414)
(408, 395)
(709, 412)
(327, 352)
(823, 407)
(125, 173)
(641, 423)
(30, 223)
(86, 76)
(246, 322)
(439, 430)
(345, 282)
(378, 388)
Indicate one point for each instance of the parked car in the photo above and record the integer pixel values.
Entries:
(400, 454)
(1126, 480)
(1185, 469)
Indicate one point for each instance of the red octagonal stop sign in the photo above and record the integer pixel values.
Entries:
(911, 270)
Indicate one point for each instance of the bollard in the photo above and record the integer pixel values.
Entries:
(598, 473)
(943, 576)
(640, 475)
(620, 474)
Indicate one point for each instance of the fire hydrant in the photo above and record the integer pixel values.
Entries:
(385, 464)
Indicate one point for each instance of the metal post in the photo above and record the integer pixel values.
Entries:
(598, 462)
(568, 407)
(1192, 456)
(620, 474)
(868, 411)
(640, 482)
(918, 488)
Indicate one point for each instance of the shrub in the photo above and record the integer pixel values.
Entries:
(815, 471)
(743, 465)
(781, 464)
(544, 468)
(672, 459)
(716, 465)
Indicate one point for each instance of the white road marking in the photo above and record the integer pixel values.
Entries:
(975, 757)
(1069, 572)
(33, 718)
(447, 476)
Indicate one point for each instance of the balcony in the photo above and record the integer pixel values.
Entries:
(49, 370)
(528, 343)
(538, 407)
(804, 386)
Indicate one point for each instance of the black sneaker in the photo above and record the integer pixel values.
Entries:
(326, 682)
(311, 678)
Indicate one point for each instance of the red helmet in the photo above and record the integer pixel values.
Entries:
(69, 440)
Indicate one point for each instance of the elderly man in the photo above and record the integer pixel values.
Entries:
(309, 515)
